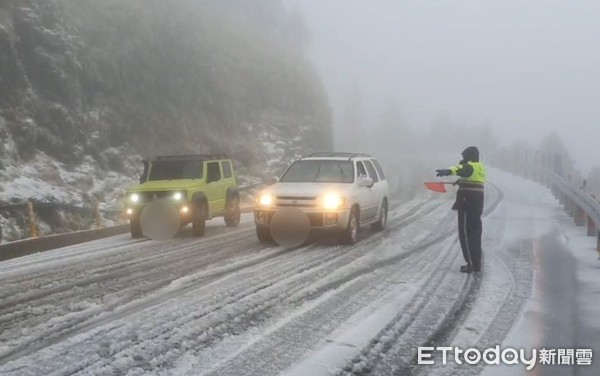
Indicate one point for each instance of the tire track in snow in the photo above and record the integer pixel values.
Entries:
(110, 312)
(391, 351)
(515, 265)
(316, 321)
(406, 217)
(117, 280)
(291, 340)
(122, 255)
(456, 317)
(125, 276)
(261, 313)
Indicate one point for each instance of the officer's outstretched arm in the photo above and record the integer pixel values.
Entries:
(462, 170)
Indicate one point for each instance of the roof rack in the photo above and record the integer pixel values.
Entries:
(194, 157)
(337, 154)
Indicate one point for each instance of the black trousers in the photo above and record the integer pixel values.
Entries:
(470, 208)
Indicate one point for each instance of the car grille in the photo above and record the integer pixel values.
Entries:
(152, 196)
(315, 219)
(296, 202)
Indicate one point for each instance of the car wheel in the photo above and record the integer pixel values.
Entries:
(136, 228)
(264, 235)
(351, 234)
(382, 222)
(233, 213)
(199, 222)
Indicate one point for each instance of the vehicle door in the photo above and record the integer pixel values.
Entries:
(215, 189)
(378, 186)
(367, 197)
(228, 177)
(383, 183)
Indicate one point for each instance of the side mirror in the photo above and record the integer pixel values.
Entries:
(144, 175)
(365, 182)
(273, 180)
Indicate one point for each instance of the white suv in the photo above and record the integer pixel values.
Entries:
(337, 191)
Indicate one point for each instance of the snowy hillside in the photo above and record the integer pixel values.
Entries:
(90, 87)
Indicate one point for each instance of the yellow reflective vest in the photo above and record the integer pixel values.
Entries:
(478, 177)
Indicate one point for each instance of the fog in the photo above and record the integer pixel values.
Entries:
(526, 68)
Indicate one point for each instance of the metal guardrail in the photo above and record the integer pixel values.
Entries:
(585, 203)
(580, 204)
(30, 246)
(35, 244)
(33, 206)
(58, 206)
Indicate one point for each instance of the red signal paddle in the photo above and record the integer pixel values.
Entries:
(439, 187)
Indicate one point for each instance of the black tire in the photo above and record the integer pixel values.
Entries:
(136, 228)
(264, 235)
(382, 222)
(351, 235)
(199, 221)
(233, 212)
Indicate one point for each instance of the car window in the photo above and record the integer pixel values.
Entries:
(226, 169)
(171, 170)
(322, 171)
(213, 171)
(378, 168)
(372, 172)
(360, 169)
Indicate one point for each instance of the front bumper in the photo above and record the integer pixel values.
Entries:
(333, 220)
(184, 209)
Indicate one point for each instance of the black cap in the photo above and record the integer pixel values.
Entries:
(471, 154)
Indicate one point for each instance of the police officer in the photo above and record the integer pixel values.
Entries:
(469, 204)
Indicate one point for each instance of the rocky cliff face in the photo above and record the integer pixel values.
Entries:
(88, 87)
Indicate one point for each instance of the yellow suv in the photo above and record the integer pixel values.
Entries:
(200, 187)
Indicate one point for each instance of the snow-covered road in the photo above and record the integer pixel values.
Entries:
(225, 305)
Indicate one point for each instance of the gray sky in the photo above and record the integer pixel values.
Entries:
(525, 66)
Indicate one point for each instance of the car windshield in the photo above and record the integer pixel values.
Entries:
(324, 171)
(170, 170)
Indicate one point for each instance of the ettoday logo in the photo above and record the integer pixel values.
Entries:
(473, 356)
(497, 356)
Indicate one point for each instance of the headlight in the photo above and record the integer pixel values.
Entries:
(134, 197)
(333, 201)
(265, 199)
(177, 196)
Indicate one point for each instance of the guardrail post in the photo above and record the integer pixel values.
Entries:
(570, 207)
(97, 215)
(562, 198)
(591, 226)
(32, 227)
(573, 209)
(579, 216)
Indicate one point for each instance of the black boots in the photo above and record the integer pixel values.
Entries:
(468, 269)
